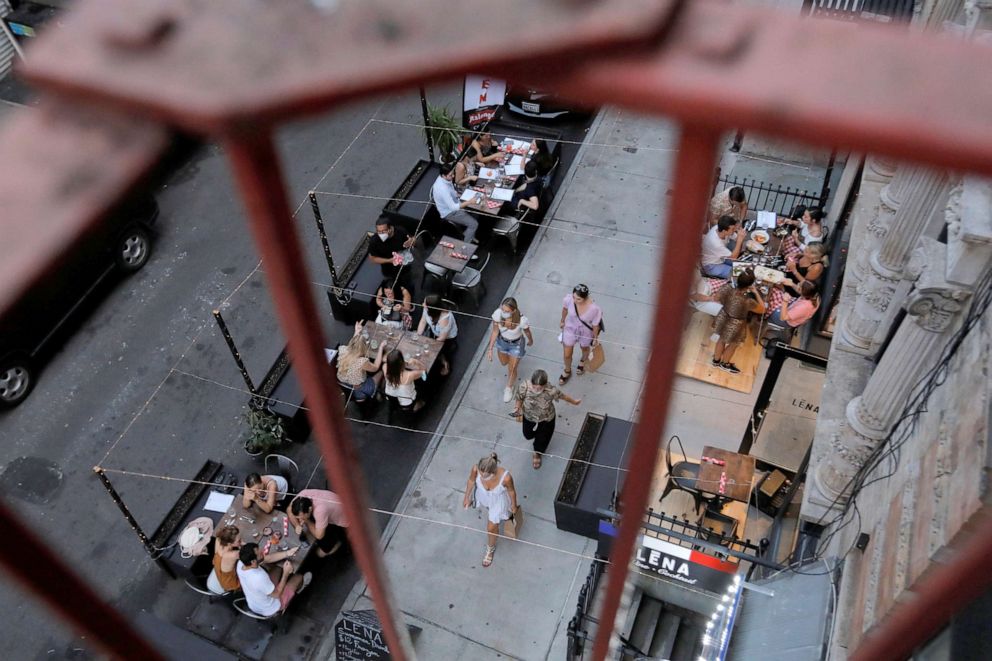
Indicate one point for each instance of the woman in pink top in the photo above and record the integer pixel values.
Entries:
(319, 515)
(796, 312)
(580, 324)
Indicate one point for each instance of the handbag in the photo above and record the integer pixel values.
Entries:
(511, 528)
(602, 325)
(596, 354)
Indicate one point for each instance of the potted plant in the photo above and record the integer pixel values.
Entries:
(444, 129)
(266, 432)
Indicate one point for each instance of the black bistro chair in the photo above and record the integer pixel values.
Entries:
(682, 475)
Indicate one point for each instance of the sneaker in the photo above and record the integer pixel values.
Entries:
(730, 367)
(716, 362)
(507, 394)
(306, 581)
(473, 258)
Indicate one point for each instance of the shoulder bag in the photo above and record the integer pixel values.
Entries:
(596, 354)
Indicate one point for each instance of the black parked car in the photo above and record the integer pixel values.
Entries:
(539, 104)
(122, 243)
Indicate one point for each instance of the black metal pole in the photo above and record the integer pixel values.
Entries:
(323, 238)
(235, 353)
(825, 191)
(738, 141)
(427, 124)
(149, 547)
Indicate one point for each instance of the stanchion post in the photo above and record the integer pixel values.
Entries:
(235, 353)
(323, 238)
(427, 124)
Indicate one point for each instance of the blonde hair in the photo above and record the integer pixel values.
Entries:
(487, 465)
(511, 303)
(819, 250)
(356, 349)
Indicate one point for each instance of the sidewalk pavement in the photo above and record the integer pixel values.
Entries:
(603, 231)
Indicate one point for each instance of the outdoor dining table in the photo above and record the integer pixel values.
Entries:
(410, 344)
(483, 202)
(252, 522)
(444, 253)
(730, 480)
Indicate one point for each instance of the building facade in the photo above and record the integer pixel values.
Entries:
(901, 451)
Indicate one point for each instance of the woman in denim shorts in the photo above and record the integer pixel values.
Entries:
(509, 330)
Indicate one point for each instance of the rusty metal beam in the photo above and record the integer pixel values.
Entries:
(255, 162)
(38, 569)
(208, 65)
(63, 167)
(694, 166)
(876, 88)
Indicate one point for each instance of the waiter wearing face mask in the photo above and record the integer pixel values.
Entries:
(390, 248)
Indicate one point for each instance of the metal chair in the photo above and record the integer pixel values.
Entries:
(241, 605)
(509, 227)
(284, 466)
(471, 279)
(682, 475)
(201, 585)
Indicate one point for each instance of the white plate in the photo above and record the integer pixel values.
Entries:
(761, 236)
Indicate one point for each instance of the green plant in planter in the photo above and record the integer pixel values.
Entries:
(444, 129)
(266, 432)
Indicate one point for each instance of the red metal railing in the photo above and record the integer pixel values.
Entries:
(214, 69)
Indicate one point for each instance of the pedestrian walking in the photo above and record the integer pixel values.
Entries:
(536, 410)
(491, 487)
(507, 336)
(581, 323)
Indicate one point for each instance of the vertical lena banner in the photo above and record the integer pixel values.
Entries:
(482, 97)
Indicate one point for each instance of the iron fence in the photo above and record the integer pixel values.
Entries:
(769, 197)
(883, 11)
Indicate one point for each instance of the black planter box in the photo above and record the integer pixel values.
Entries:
(589, 482)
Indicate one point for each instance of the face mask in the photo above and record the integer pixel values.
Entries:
(383, 236)
(506, 315)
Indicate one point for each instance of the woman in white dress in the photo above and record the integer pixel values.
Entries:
(493, 490)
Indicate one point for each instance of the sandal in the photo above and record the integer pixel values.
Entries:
(537, 461)
(488, 558)
(565, 376)
(580, 369)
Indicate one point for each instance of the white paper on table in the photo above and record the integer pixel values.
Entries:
(766, 220)
(513, 170)
(218, 502)
(517, 160)
(330, 355)
(488, 173)
(468, 195)
(521, 144)
(504, 194)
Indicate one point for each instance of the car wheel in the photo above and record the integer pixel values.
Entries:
(133, 249)
(16, 381)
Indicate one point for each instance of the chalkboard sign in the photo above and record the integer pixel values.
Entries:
(358, 637)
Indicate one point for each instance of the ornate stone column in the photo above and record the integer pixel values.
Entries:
(881, 287)
(890, 198)
(880, 168)
(933, 313)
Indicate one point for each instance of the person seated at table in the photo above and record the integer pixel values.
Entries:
(394, 304)
(401, 379)
(729, 202)
(731, 323)
(528, 194)
(794, 312)
(438, 322)
(544, 159)
(466, 172)
(390, 248)
(356, 370)
(808, 267)
(450, 207)
(265, 491)
(268, 591)
(701, 299)
(716, 257)
(484, 151)
(318, 515)
(224, 577)
(810, 228)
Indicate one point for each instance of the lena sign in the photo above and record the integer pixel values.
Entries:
(681, 565)
(481, 99)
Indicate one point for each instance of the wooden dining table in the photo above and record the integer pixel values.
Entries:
(411, 344)
(484, 202)
(252, 523)
(731, 480)
(443, 255)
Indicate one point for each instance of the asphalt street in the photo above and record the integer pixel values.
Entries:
(144, 385)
